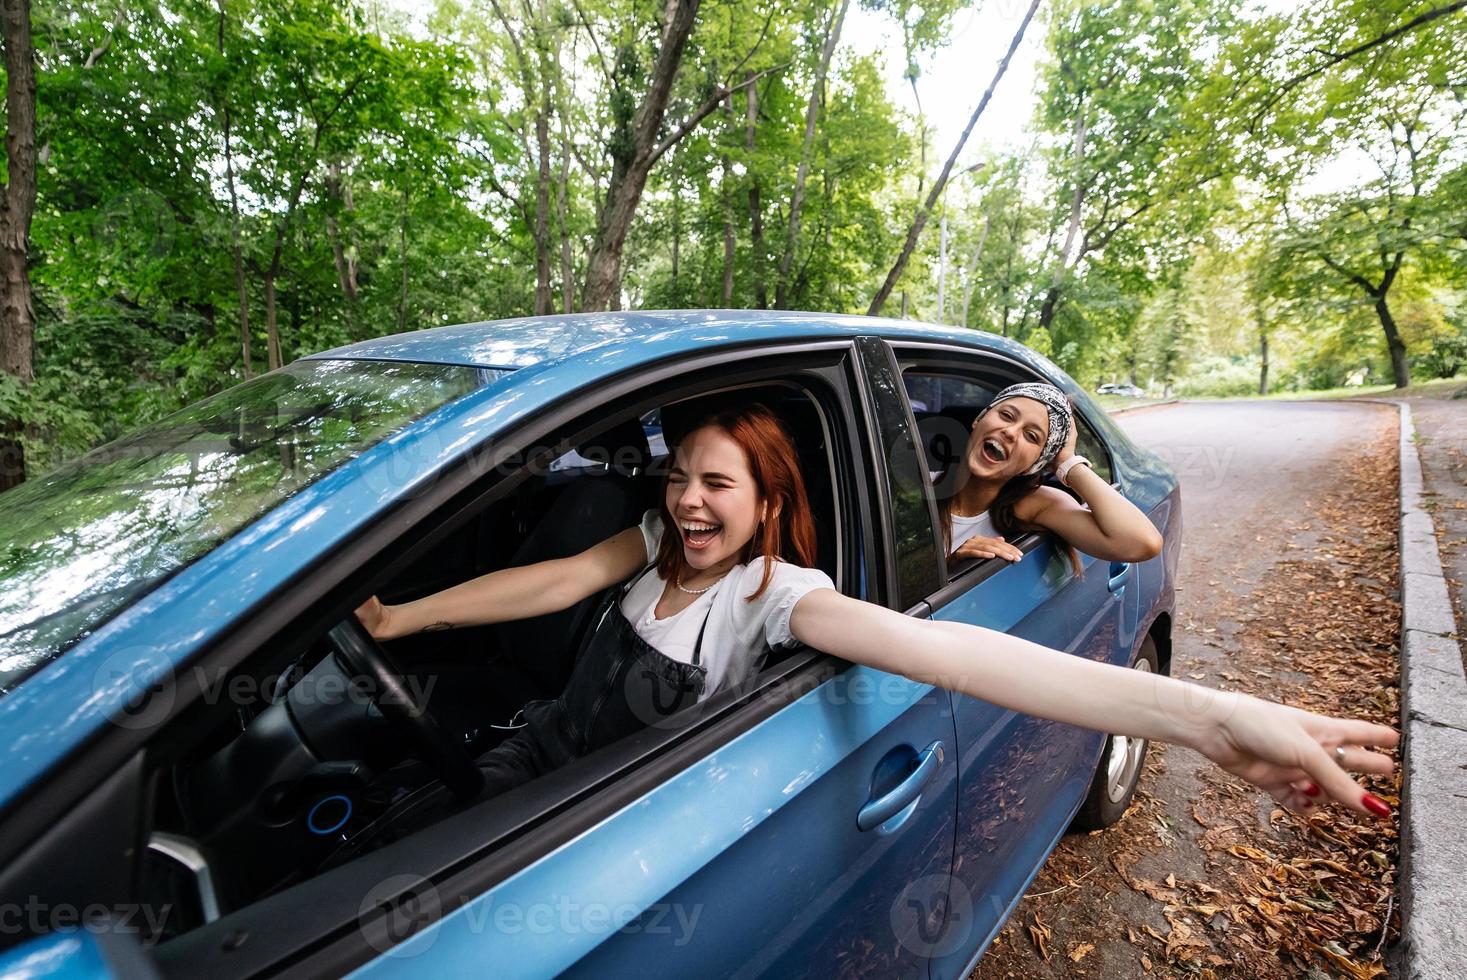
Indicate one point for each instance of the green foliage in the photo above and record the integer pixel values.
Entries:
(1220, 377)
(1208, 185)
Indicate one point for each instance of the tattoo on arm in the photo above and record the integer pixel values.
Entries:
(442, 624)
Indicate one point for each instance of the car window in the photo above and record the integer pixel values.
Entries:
(1089, 444)
(914, 529)
(81, 543)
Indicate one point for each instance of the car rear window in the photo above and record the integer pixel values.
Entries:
(83, 542)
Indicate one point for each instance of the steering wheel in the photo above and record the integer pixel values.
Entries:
(365, 657)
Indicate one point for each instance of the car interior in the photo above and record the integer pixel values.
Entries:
(258, 794)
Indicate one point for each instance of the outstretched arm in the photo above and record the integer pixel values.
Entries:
(512, 593)
(1108, 526)
(1282, 750)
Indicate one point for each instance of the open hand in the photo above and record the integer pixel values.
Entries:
(1291, 754)
(980, 547)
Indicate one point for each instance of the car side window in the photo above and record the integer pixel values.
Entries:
(944, 409)
(1089, 445)
(915, 539)
(947, 394)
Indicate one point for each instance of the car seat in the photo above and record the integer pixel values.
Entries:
(536, 655)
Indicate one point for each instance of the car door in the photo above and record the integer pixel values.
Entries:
(1020, 778)
(814, 838)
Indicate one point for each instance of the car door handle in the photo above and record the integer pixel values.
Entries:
(1120, 574)
(883, 808)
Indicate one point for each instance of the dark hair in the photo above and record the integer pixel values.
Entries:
(1001, 511)
(775, 466)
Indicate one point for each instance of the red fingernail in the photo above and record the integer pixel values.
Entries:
(1375, 805)
(1310, 789)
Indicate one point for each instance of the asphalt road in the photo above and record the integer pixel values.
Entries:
(1247, 470)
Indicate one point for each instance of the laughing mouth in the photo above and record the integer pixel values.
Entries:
(698, 533)
(995, 451)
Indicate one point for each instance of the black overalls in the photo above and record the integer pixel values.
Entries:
(620, 684)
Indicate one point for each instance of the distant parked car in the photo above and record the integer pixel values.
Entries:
(196, 741)
(1125, 390)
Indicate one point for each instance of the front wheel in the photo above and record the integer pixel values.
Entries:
(1120, 765)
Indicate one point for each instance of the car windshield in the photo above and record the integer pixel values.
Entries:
(80, 544)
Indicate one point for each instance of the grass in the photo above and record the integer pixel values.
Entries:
(1364, 391)
(1439, 388)
(1112, 403)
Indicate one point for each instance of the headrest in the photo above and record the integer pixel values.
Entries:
(623, 447)
(945, 434)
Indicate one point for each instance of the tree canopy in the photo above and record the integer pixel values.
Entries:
(1212, 197)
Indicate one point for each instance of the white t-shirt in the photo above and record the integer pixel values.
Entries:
(738, 630)
(963, 528)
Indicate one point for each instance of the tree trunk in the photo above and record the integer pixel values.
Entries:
(677, 234)
(756, 206)
(970, 282)
(17, 316)
(633, 154)
(729, 239)
(802, 172)
(402, 248)
(1400, 366)
(1263, 356)
(942, 269)
(920, 219)
(1072, 230)
(542, 195)
(567, 275)
(240, 284)
(341, 255)
(1048, 308)
(274, 359)
(728, 247)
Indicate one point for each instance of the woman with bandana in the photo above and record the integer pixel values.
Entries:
(1025, 434)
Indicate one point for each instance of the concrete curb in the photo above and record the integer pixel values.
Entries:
(1434, 760)
(1133, 409)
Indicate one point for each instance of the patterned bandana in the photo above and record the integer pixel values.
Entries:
(1055, 404)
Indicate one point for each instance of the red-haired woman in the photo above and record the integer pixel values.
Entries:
(722, 573)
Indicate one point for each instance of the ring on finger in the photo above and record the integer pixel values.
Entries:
(1340, 755)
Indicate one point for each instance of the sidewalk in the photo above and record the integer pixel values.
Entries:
(1433, 686)
(1441, 429)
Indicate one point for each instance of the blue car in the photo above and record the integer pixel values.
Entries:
(200, 749)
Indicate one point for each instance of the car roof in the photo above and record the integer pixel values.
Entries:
(529, 341)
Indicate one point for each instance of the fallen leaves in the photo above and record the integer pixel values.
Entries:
(1223, 882)
(1040, 934)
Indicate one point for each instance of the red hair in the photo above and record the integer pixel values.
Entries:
(789, 531)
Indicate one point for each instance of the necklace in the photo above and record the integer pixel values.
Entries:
(678, 581)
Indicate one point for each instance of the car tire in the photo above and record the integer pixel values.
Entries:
(1121, 762)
